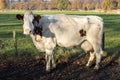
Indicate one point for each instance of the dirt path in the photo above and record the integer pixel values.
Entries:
(32, 69)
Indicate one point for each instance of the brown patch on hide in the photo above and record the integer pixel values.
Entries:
(82, 32)
(38, 31)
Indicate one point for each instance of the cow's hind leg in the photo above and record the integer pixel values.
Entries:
(98, 58)
(92, 56)
(97, 52)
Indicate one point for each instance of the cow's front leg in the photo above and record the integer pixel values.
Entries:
(53, 62)
(98, 59)
(50, 62)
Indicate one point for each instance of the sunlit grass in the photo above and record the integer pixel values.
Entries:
(9, 23)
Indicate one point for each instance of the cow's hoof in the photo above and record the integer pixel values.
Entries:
(48, 70)
(89, 64)
(96, 67)
(53, 66)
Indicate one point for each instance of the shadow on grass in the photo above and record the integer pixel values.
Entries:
(113, 53)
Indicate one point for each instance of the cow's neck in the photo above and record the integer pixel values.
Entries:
(32, 36)
(36, 37)
(38, 45)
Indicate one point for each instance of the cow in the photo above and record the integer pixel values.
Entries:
(47, 31)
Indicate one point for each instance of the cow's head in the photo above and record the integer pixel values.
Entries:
(29, 22)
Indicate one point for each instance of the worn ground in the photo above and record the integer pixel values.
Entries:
(32, 68)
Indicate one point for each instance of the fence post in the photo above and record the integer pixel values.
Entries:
(15, 43)
(103, 41)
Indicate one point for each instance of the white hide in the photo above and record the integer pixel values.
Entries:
(64, 31)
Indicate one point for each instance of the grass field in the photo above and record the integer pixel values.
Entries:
(9, 23)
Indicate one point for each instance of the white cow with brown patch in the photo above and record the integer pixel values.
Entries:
(47, 31)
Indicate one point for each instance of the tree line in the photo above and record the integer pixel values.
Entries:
(60, 4)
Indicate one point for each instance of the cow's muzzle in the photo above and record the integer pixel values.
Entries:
(27, 31)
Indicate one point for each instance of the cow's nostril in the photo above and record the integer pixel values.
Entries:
(27, 31)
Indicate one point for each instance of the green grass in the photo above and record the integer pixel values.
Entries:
(9, 23)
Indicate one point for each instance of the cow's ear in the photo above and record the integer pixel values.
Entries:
(19, 17)
(38, 17)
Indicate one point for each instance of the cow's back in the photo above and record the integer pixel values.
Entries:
(66, 28)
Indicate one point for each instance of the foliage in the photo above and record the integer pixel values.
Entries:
(107, 4)
(54, 4)
(97, 6)
(62, 4)
(2, 4)
(88, 6)
(118, 3)
(76, 4)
